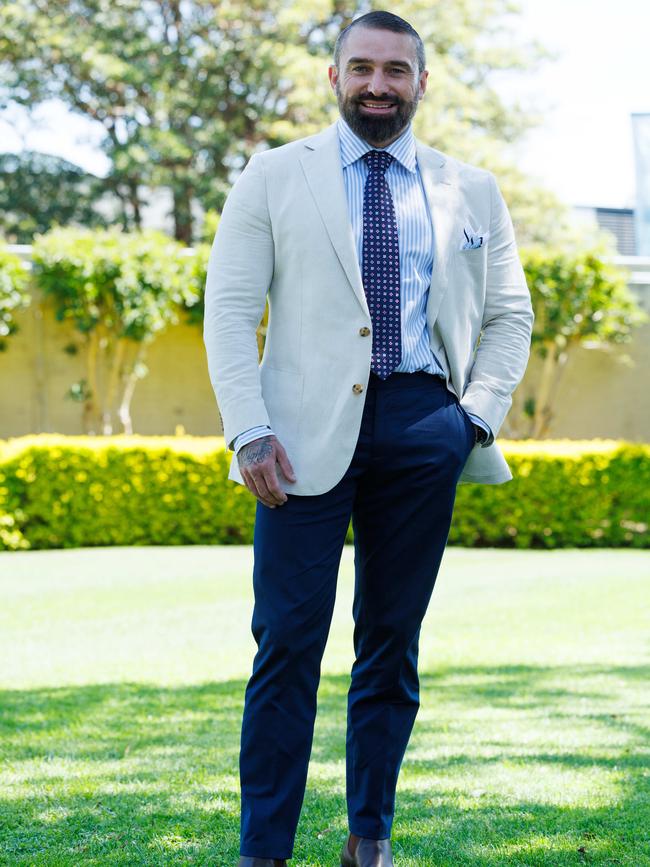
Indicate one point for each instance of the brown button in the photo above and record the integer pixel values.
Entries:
(357, 388)
(364, 332)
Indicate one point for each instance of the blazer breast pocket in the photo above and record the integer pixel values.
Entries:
(472, 254)
(471, 263)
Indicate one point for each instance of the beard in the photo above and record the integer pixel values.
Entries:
(376, 129)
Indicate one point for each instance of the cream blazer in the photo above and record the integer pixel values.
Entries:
(285, 232)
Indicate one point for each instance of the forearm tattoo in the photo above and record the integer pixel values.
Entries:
(255, 452)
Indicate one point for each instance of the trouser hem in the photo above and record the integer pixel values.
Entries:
(278, 853)
(369, 832)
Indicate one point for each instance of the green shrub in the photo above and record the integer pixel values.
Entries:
(66, 492)
(564, 494)
(130, 284)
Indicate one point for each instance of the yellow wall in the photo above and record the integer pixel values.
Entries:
(599, 395)
(36, 373)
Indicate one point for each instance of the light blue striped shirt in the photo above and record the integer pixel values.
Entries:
(415, 233)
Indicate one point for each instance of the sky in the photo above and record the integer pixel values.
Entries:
(583, 151)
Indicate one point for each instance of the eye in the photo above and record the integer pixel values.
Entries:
(360, 68)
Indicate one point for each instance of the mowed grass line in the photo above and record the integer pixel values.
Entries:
(124, 672)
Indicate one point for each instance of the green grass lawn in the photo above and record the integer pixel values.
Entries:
(123, 671)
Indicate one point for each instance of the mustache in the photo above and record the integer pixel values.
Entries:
(368, 97)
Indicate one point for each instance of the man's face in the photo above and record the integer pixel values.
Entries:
(377, 84)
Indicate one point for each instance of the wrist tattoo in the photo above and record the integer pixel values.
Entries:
(255, 452)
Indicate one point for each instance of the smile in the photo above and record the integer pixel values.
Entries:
(378, 107)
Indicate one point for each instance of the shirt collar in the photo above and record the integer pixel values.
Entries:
(353, 147)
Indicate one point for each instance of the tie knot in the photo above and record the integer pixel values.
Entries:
(378, 161)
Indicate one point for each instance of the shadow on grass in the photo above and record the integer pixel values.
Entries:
(145, 775)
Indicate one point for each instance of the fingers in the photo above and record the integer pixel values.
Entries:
(285, 465)
(258, 486)
(257, 463)
(262, 487)
(267, 488)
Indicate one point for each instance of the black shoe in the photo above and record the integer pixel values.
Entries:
(245, 861)
(369, 853)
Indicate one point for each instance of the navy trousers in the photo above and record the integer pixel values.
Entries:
(399, 491)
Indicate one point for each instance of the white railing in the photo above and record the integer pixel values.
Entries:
(639, 268)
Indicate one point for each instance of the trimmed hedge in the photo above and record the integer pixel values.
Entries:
(65, 492)
(565, 494)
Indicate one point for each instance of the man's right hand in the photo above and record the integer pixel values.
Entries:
(257, 464)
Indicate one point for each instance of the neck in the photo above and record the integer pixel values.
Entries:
(386, 142)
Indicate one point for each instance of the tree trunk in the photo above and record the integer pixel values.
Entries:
(91, 420)
(107, 366)
(552, 370)
(115, 370)
(134, 199)
(183, 215)
(131, 380)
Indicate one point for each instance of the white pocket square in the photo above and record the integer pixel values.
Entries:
(473, 239)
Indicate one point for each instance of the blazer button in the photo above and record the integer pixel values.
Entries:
(357, 388)
(364, 332)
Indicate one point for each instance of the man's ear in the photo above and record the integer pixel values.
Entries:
(333, 74)
(422, 83)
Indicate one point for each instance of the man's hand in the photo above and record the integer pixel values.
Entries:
(257, 462)
(480, 435)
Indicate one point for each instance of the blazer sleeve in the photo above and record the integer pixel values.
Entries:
(240, 270)
(504, 345)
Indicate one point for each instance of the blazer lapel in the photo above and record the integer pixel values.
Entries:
(442, 196)
(321, 163)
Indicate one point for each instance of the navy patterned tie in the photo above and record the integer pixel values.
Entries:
(380, 270)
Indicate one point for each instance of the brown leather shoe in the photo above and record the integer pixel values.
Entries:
(370, 853)
(245, 861)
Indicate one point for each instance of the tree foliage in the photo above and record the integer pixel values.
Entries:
(580, 298)
(184, 91)
(14, 294)
(119, 291)
(39, 191)
(187, 91)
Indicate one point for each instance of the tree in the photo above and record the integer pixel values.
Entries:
(187, 91)
(14, 295)
(580, 298)
(184, 91)
(38, 191)
(119, 291)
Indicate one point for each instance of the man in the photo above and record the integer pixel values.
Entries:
(399, 325)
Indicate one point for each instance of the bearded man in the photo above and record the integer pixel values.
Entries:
(399, 325)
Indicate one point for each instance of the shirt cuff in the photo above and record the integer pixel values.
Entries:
(484, 426)
(247, 436)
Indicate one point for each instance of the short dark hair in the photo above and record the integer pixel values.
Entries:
(382, 21)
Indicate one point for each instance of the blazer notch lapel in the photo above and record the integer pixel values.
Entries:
(321, 164)
(442, 196)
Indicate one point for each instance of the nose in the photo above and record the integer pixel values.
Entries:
(377, 84)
